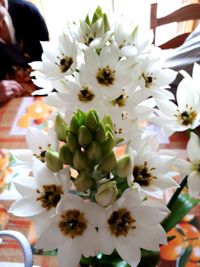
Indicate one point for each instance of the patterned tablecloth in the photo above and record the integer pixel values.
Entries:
(7, 117)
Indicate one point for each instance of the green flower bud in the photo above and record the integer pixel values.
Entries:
(107, 120)
(80, 116)
(72, 142)
(124, 166)
(84, 136)
(92, 120)
(108, 145)
(83, 181)
(106, 194)
(100, 136)
(65, 155)
(61, 128)
(79, 160)
(94, 152)
(109, 162)
(87, 20)
(109, 129)
(106, 23)
(74, 126)
(52, 161)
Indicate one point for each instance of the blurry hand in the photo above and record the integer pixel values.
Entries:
(9, 89)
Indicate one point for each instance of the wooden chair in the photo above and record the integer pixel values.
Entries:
(188, 12)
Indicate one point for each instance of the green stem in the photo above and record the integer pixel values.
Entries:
(177, 192)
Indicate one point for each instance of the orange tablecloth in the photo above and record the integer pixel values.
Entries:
(7, 116)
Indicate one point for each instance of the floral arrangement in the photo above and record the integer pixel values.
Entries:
(92, 205)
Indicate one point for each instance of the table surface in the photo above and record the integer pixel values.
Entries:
(10, 250)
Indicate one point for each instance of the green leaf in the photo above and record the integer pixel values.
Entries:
(181, 206)
(184, 257)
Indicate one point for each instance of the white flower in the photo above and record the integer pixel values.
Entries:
(58, 59)
(151, 171)
(154, 80)
(192, 168)
(41, 194)
(38, 142)
(185, 115)
(106, 73)
(72, 231)
(131, 224)
(192, 81)
(79, 93)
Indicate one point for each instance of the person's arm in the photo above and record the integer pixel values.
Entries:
(9, 89)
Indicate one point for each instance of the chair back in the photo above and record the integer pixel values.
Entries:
(24, 244)
(187, 12)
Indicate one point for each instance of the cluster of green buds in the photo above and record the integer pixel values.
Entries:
(88, 147)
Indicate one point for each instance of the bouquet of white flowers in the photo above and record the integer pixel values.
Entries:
(92, 205)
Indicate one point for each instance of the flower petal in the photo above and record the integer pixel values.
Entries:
(194, 184)
(129, 250)
(26, 207)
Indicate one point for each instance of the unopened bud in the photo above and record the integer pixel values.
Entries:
(94, 151)
(108, 163)
(84, 136)
(106, 194)
(106, 23)
(124, 166)
(92, 120)
(74, 126)
(61, 128)
(107, 120)
(108, 145)
(52, 161)
(65, 155)
(83, 181)
(100, 136)
(79, 160)
(72, 142)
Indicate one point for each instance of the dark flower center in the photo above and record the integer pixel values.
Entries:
(41, 155)
(65, 63)
(73, 223)
(50, 196)
(85, 95)
(106, 76)
(142, 175)
(148, 80)
(121, 100)
(121, 222)
(187, 117)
